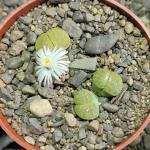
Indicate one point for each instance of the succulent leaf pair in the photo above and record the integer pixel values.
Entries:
(105, 83)
(53, 39)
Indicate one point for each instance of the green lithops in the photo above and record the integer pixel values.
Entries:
(86, 105)
(43, 41)
(53, 38)
(107, 83)
(59, 37)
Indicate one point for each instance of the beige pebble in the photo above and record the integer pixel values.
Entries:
(41, 108)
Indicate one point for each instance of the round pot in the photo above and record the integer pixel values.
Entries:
(25, 9)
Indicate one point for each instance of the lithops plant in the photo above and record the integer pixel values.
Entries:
(86, 104)
(107, 83)
(59, 38)
(43, 41)
(53, 39)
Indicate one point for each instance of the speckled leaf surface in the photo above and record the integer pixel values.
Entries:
(43, 41)
(86, 105)
(59, 38)
(107, 83)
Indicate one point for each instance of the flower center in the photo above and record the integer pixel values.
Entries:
(47, 61)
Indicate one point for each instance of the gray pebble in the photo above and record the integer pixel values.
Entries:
(89, 17)
(100, 146)
(84, 64)
(138, 86)
(57, 135)
(79, 78)
(26, 20)
(51, 12)
(11, 3)
(90, 146)
(17, 47)
(72, 28)
(3, 47)
(31, 38)
(29, 139)
(117, 140)
(35, 126)
(50, 147)
(78, 17)
(101, 43)
(129, 27)
(82, 43)
(74, 5)
(126, 97)
(92, 138)
(9, 112)
(16, 35)
(14, 62)
(110, 107)
(118, 132)
(82, 133)
(26, 56)
(146, 3)
(134, 98)
(47, 92)
(8, 76)
(94, 125)
(27, 89)
(104, 115)
(108, 127)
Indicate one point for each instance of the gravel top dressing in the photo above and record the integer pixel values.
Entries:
(74, 76)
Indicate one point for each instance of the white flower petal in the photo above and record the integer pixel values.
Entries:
(56, 68)
(55, 76)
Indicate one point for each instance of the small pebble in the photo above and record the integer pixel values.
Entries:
(70, 119)
(94, 125)
(41, 107)
(29, 140)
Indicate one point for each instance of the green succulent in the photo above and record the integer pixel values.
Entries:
(86, 104)
(43, 41)
(107, 83)
(53, 38)
(59, 38)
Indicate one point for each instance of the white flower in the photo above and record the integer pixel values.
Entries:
(51, 64)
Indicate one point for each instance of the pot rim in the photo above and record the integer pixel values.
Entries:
(25, 8)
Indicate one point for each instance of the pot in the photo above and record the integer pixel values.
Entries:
(25, 9)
